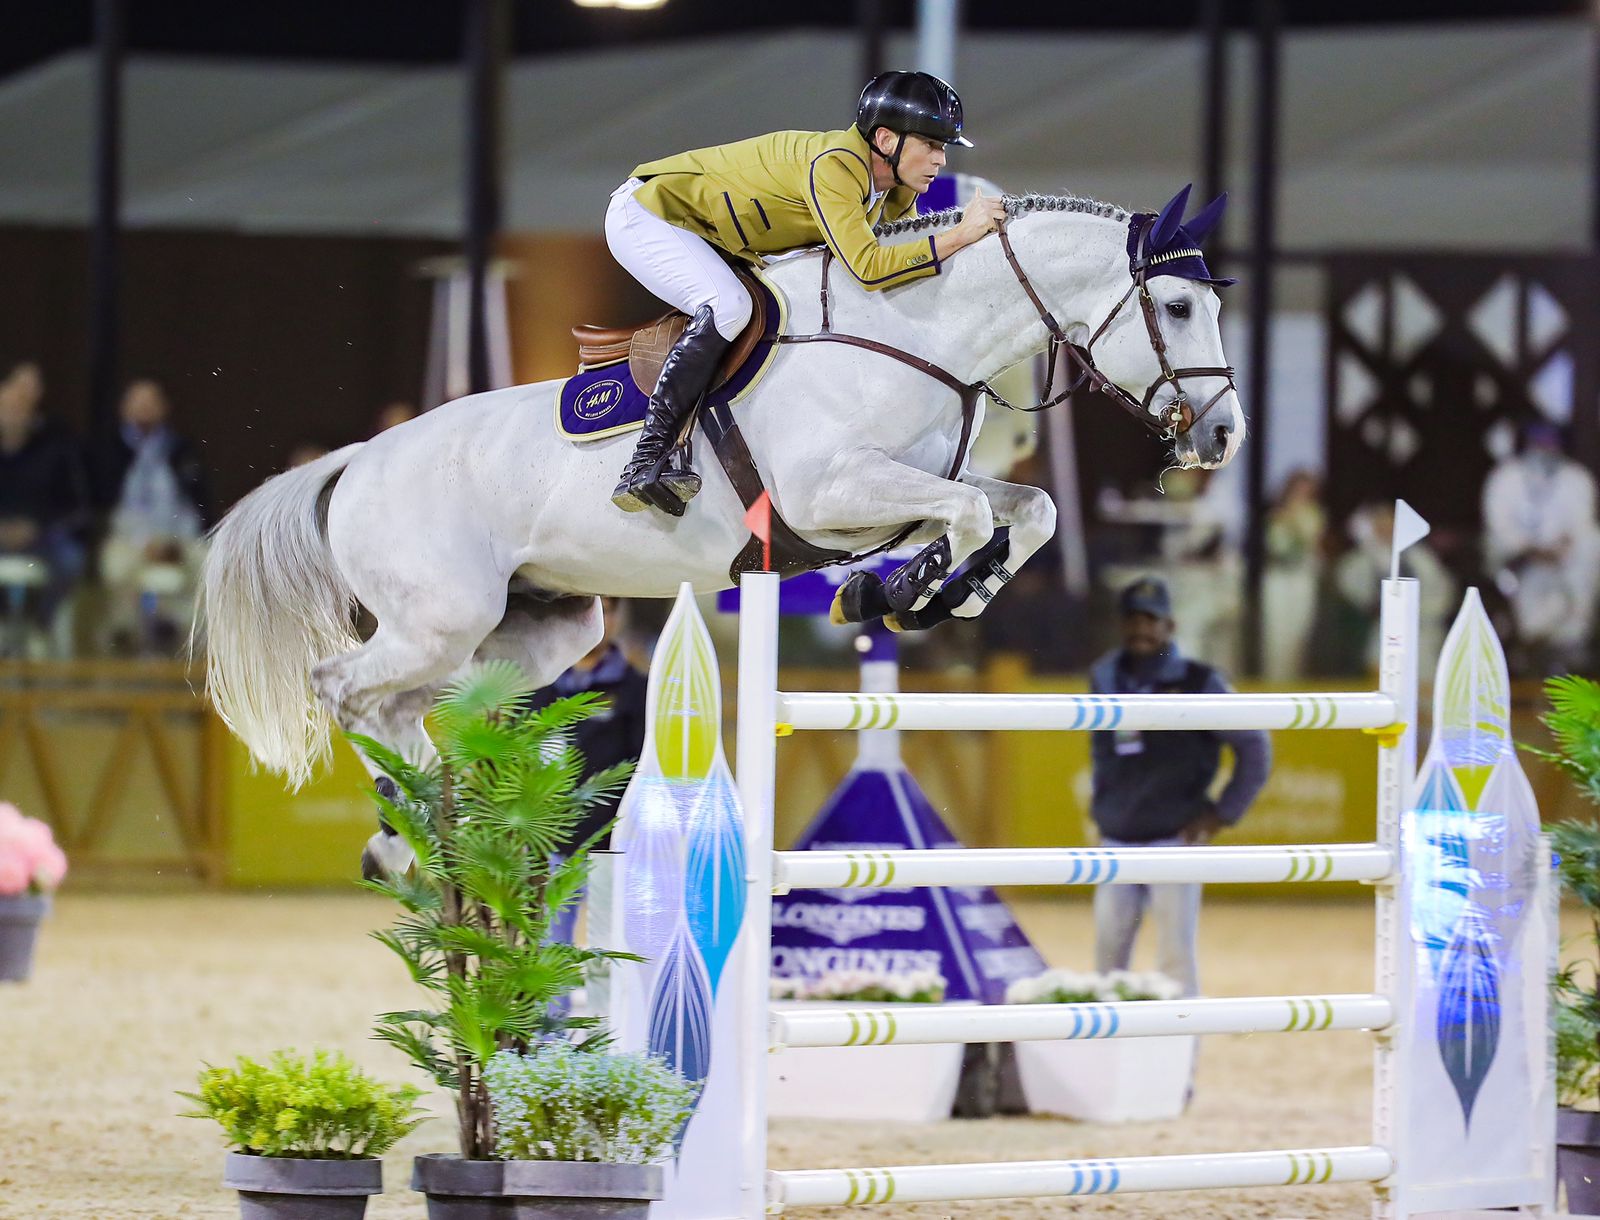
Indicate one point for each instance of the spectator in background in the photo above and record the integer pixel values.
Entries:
(1542, 546)
(44, 498)
(1358, 579)
(1204, 567)
(613, 735)
(1154, 790)
(1295, 526)
(149, 482)
(393, 415)
(1192, 523)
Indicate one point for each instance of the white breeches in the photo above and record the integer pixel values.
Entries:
(683, 270)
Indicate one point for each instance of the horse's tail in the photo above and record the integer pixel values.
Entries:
(271, 605)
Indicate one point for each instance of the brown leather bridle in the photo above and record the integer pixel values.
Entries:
(1178, 416)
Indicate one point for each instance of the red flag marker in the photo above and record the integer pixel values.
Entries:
(758, 520)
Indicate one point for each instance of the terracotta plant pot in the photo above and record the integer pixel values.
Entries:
(19, 926)
(1578, 1159)
(295, 1188)
(535, 1190)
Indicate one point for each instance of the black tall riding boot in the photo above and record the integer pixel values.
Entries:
(685, 375)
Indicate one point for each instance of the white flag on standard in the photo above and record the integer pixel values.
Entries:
(1409, 529)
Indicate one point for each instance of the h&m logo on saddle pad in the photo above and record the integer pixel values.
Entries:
(598, 400)
(605, 401)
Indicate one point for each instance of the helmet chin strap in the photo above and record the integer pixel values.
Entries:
(893, 159)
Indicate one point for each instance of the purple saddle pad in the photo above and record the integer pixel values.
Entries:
(603, 401)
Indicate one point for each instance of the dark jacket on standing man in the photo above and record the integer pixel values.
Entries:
(1151, 785)
(612, 735)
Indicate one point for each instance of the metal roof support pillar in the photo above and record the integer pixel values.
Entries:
(1263, 240)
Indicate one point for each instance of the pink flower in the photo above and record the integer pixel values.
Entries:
(49, 869)
(27, 850)
(34, 837)
(15, 874)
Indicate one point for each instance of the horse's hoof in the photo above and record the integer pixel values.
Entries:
(385, 855)
(859, 600)
(892, 622)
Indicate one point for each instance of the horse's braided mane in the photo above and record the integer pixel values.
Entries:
(1016, 205)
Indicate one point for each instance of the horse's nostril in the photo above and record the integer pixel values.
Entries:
(1221, 433)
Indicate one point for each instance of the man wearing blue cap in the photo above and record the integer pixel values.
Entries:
(1154, 789)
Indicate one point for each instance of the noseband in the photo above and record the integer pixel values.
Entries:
(1179, 415)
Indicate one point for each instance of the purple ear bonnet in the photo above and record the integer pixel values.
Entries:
(1166, 245)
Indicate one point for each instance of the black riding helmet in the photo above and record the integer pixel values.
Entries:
(910, 103)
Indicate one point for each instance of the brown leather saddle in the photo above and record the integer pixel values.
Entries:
(645, 347)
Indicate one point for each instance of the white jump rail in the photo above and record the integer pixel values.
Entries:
(1119, 1175)
(837, 870)
(1390, 713)
(1068, 713)
(944, 1023)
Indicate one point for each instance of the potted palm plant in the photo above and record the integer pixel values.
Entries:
(485, 822)
(1574, 722)
(305, 1134)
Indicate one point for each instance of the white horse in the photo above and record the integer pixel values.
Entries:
(477, 531)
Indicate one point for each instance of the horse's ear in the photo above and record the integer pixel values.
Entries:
(1208, 218)
(1166, 226)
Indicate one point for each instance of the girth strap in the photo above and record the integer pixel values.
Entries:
(790, 552)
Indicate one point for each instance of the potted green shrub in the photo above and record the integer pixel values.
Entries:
(584, 1130)
(1574, 722)
(31, 866)
(484, 822)
(305, 1134)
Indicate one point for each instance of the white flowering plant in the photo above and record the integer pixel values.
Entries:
(1090, 987)
(872, 986)
(560, 1103)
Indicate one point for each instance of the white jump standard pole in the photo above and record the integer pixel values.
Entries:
(1399, 627)
(757, 755)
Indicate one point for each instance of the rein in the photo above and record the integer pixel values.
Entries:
(1178, 417)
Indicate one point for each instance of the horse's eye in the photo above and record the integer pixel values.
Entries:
(1178, 309)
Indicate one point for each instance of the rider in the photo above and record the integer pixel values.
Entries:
(673, 223)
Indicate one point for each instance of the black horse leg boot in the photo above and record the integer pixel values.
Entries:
(685, 375)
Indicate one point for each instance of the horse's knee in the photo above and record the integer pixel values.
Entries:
(1037, 521)
(972, 524)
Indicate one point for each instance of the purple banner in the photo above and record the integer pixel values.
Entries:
(965, 933)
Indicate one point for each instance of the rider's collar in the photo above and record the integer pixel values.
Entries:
(1181, 256)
